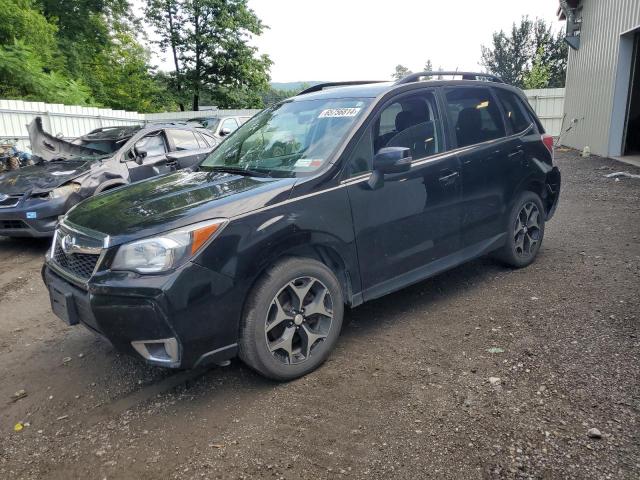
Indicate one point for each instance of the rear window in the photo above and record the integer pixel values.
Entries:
(474, 115)
(515, 112)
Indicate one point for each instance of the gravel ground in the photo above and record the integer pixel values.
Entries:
(413, 389)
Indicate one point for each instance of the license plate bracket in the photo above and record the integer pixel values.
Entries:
(63, 305)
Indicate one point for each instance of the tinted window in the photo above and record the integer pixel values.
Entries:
(152, 144)
(516, 114)
(474, 115)
(411, 122)
(230, 124)
(183, 139)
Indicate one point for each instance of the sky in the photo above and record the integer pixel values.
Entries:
(334, 40)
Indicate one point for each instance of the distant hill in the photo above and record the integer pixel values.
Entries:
(294, 85)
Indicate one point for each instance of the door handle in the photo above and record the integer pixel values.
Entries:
(516, 153)
(449, 178)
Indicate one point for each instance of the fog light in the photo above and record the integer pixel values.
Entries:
(161, 351)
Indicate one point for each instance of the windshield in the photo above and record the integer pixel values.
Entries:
(292, 139)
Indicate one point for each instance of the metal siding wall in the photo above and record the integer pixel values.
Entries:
(73, 121)
(591, 72)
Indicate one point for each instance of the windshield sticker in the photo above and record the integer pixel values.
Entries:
(66, 172)
(309, 163)
(339, 112)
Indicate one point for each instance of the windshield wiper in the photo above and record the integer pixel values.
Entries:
(238, 171)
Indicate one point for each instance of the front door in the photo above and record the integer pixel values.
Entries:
(405, 225)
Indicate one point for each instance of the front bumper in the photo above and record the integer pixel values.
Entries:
(32, 217)
(193, 305)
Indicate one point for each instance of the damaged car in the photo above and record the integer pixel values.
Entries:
(67, 172)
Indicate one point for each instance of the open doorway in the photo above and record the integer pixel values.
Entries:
(631, 139)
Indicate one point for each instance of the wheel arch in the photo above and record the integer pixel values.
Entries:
(110, 184)
(316, 246)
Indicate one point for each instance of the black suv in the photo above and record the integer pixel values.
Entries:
(33, 197)
(335, 197)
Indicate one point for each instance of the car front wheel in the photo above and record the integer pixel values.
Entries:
(292, 319)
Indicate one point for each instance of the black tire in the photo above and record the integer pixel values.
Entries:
(279, 290)
(514, 253)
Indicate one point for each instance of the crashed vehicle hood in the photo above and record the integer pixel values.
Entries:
(175, 200)
(43, 177)
(47, 147)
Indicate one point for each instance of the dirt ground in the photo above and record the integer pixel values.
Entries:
(406, 394)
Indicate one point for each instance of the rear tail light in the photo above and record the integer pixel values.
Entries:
(548, 142)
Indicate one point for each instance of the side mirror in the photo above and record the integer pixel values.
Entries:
(225, 131)
(140, 155)
(392, 160)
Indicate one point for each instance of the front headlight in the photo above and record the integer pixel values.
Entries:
(167, 251)
(65, 190)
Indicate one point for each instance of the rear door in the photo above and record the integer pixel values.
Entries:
(148, 157)
(410, 221)
(187, 148)
(479, 133)
(525, 143)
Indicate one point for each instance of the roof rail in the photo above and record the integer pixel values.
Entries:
(321, 86)
(415, 77)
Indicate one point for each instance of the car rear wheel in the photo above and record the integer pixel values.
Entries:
(525, 231)
(292, 319)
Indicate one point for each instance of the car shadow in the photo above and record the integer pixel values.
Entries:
(28, 245)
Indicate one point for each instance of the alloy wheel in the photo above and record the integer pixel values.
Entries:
(299, 319)
(527, 230)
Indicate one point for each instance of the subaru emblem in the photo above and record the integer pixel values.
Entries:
(68, 244)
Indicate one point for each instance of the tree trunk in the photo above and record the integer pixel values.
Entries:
(174, 50)
(196, 73)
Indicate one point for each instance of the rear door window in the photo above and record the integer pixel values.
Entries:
(515, 112)
(474, 115)
(183, 139)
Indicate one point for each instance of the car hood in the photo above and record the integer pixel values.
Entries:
(175, 200)
(48, 147)
(43, 177)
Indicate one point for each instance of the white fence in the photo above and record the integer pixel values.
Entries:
(71, 121)
(548, 104)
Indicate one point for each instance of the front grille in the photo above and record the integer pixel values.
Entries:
(80, 265)
(12, 224)
(9, 201)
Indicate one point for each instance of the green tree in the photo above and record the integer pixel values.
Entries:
(23, 76)
(213, 61)
(31, 64)
(539, 75)
(428, 67)
(512, 55)
(400, 72)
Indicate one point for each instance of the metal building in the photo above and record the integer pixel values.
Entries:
(602, 103)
